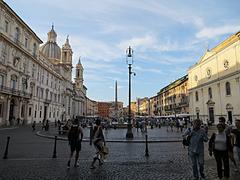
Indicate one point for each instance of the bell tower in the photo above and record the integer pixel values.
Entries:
(79, 75)
(67, 53)
(66, 59)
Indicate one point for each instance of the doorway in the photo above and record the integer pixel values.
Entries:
(230, 116)
(45, 113)
(11, 112)
(211, 115)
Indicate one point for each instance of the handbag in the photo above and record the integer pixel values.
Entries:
(105, 150)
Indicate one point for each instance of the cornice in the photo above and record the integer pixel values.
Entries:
(215, 80)
(10, 10)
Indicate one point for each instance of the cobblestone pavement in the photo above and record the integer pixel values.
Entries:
(120, 134)
(30, 157)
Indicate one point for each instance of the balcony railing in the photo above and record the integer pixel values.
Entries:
(183, 103)
(47, 100)
(15, 92)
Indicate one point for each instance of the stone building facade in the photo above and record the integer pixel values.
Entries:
(214, 87)
(36, 81)
(173, 99)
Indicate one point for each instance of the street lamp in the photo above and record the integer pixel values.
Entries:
(129, 61)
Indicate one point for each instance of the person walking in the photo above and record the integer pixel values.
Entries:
(196, 148)
(219, 146)
(75, 136)
(99, 142)
(34, 126)
(236, 133)
(227, 130)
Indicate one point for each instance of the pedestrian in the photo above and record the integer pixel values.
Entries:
(181, 122)
(219, 146)
(227, 130)
(43, 124)
(34, 126)
(236, 133)
(47, 125)
(75, 136)
(99, 142)
(196, 148)
(137, 124)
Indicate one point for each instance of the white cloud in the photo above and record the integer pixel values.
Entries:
(152, 70)
(146, 41)
(212, 32)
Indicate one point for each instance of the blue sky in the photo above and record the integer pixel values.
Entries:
(167, 37)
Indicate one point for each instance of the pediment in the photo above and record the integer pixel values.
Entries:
(210, 103)
(206, 56)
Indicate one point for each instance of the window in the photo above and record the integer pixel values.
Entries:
(29, 111)
(228, 88)
(42, 92)
(196, 96)
(6, 26)
(210, 93)
(34, 49)
(1, 80)
(26, 43)
(33, 70)
(1, 110)
(13, 82)
(24, 84)
(17, 34)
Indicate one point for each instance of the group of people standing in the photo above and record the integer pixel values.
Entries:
(75, 137)
(220, 145)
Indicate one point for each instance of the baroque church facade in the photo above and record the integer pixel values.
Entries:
(36, 80)
(213, 85)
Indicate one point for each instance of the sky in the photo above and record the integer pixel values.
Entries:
(167, 38)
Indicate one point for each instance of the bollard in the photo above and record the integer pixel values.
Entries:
(59, 129)
(146, 150)
(6, 150)
(55, 151)
(91, 132)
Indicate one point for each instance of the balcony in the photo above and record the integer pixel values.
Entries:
(14, 92)
(183, 103)
(48, 101)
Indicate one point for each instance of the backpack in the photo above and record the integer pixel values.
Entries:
(73, 133)
(186, 140)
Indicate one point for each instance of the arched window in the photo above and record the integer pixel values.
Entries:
(210, 93)
(196, 96)
(13, 81)
(228, 88)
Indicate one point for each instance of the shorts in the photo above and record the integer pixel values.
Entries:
(75, 146)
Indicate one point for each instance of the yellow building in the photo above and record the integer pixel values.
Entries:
(173, 99)
(214, 87)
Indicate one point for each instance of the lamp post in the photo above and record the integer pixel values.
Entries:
(129, 61)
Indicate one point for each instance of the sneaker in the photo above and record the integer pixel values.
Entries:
(68, 164)
(202, 176)
(76, 164)
(92, 167)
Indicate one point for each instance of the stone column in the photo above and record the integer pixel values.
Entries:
(7, 111)
(238, 95)
(203, 103)
(20, 109)
(220, 97)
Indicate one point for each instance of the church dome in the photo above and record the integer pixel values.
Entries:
(50, 49)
